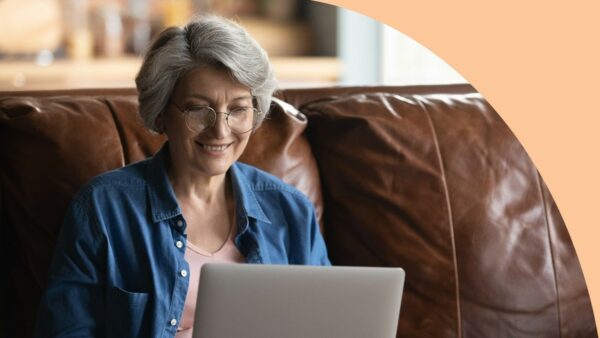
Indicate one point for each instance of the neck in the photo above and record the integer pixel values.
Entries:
(199, 189)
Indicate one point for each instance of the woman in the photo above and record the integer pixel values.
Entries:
(128, 256)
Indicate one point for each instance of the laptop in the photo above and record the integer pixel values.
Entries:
(293, 301)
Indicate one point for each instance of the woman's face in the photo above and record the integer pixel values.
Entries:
(210, 152)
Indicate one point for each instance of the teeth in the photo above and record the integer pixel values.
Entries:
(215, 148)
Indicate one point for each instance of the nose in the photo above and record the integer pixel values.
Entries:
(220, 129)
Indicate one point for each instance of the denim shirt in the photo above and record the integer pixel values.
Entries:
(117, 270)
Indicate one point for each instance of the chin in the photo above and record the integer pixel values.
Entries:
(213, 169)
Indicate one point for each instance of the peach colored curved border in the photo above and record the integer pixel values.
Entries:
(538, 64)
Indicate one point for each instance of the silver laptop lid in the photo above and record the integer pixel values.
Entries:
(264, 301)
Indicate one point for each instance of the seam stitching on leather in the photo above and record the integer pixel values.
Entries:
(120, 132)
(547, 223)
(419, 99)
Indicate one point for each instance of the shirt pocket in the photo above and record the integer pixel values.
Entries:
(125, 313)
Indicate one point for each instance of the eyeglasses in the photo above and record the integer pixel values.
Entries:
(240, 120)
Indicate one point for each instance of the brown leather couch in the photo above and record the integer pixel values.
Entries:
(426, 178)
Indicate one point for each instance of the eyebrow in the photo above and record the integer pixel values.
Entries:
(207, 99)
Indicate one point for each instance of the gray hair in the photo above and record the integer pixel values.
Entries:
(206, 39)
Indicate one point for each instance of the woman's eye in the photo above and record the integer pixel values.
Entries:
(198, 109)
(240, 110)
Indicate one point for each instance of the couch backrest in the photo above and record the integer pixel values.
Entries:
(431, 179)
(426, 178)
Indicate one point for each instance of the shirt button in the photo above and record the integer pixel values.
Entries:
(173, 322)
(183, 273)
(179, 223)
(179, 244)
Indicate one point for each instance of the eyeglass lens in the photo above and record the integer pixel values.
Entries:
(239, 120)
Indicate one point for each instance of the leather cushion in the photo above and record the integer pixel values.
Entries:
(438, 185)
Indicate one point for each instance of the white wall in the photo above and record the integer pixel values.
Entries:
(373, 53)
(359, 47)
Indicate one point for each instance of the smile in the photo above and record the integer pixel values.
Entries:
(215, 148)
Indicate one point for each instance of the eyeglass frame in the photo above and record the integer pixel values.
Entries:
(185, 113)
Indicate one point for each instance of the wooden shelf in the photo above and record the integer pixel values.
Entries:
(115, 73)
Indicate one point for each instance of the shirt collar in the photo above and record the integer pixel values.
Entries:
(163, 203)
(245, 197)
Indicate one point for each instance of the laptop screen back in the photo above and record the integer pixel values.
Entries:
(245, 300)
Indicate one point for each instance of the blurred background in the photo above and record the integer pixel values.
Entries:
(57, 44)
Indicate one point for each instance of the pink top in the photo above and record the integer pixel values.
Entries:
(196, 257)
